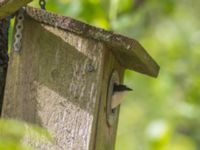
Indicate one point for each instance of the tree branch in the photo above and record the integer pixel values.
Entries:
(8, 7)
(4, 26)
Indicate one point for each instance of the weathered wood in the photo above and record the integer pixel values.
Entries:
(127, 51)
(106, 135)
(50, 82)
(8, 7)
(60, 79)
(4, 26)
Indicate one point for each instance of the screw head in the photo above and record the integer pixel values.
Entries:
(90, 68)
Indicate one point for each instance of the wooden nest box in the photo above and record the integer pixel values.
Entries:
(62, 78)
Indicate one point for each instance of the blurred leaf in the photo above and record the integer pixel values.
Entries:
(12, 133)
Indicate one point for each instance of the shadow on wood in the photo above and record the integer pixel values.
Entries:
(59, 79)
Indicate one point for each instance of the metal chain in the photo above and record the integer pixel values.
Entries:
(18, 32)
(19, 26)
(42, 4)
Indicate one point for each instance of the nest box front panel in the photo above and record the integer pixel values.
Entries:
(113, 72)
(55, 81)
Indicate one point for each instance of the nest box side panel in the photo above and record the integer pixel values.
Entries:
(55, 81)
(105, 133)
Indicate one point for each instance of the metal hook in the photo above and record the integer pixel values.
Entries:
(42, 4)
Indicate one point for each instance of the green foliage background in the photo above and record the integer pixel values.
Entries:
(13, 132)
(162, 113)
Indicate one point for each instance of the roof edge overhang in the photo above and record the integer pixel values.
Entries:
(127, 51)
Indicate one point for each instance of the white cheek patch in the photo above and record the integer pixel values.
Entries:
(117, 99)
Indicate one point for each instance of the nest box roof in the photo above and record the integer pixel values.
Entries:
(128, 52)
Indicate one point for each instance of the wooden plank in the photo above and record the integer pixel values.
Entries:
(55, 81)
(127, 51)
(8, 7)
(106, 134)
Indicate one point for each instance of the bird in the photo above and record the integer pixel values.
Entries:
(119, 91)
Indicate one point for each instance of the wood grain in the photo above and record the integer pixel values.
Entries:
(60, 78)
(106, 134)
(48, 83)
(129, 52)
